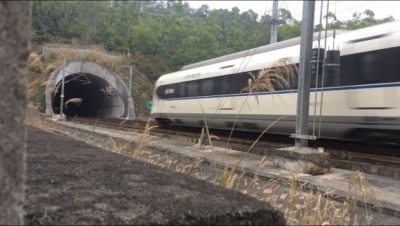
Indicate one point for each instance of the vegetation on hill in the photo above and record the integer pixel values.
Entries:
(162, 36)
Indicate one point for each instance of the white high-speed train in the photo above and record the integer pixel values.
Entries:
(364, 105)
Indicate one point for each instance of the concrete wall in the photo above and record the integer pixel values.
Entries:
(14, 50)
(91, 67)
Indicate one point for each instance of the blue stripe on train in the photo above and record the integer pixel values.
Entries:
(295, 91)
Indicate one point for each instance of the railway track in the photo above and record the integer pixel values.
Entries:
(339, 150)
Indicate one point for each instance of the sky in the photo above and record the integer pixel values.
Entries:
(343, 9)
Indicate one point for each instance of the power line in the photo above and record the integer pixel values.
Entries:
(357, 6)
(269, 11)
(341, 11)
(317, 8)
(274, 25)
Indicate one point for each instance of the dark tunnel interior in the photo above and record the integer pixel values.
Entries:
(98, 99)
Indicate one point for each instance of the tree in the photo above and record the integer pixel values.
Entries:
(169, 33)
(359, 20)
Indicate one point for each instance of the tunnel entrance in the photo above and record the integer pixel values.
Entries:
(90, 90)
(87, 95)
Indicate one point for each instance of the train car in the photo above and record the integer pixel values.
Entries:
(363, 105)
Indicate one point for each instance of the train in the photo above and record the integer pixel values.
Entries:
(363, 105)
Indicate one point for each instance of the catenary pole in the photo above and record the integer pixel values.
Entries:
(130, 91)
(303, 97)
(274, 27)
(62, 90)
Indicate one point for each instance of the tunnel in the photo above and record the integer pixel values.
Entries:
(90, 90)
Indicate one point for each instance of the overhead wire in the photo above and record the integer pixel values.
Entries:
(299, 14)
(317, 71)
(248, 54)
(224, 100)
(335, 3)
(323, 73)
(237, 116)
(255, 49)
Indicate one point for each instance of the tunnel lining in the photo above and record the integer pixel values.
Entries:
(81, 72)
(93, 98)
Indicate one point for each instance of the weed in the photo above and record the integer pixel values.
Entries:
(141, 142)
(76, 101)
(360, 189)
(108, 90)
(230, 173)
(281, 73)
(33, 118)
(115, 147)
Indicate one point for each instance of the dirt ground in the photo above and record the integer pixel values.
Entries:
(70, 182)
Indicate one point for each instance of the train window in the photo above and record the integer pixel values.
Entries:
(348, 71)
(160, 92)
(392, 66)
(182, 87)
(207, 87)
(169, 91)
(250, 79)
(222, 85)
(240, 81)
(192, 88)
(370, 67)
(295, 77)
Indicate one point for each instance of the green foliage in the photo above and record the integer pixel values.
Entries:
(359, 20)
(169, 33)
(38, 98)
(162, 36)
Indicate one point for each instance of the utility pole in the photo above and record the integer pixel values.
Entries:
(303, 97)
(274, 27)
(130, 101)
(130, 92)
(62, 91)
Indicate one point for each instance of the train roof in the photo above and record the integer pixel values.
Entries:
(348, 34)
(261, 49)
(263, 55)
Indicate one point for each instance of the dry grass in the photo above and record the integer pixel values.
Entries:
(114, 146)
(108, 90)
(95, 54)
(141, 143)
(302, 206)
(76, 101)
(40, 67)
(299, 205)
(35, 63)
(34, 118)
(231, 173)
(51, 67)
(282, 73)
(360, 189)
(192, 167)
(32, 56)
(204, 137)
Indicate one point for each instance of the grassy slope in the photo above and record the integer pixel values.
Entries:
(40, 67)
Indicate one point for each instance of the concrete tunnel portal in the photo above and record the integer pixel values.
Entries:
(90, 90)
